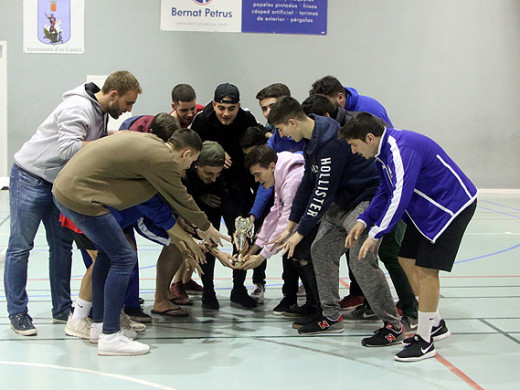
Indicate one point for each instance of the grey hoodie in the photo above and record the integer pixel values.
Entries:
(79, 117)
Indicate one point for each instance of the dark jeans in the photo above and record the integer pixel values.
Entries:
(114, 264)
(31, 202)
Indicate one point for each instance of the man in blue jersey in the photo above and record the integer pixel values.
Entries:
(420, 182)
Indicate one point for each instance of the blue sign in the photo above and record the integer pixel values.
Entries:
(285, 16)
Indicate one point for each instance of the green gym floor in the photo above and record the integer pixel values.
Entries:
(238, 349)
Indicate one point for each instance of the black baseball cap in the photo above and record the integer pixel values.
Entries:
(226, 93)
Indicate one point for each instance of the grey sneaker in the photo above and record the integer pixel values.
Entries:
(127, 323)
(361, 313)
(410, 323)
(258, 293)
(22, 324)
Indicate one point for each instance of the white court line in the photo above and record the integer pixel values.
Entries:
(490, 234)
(87, 371)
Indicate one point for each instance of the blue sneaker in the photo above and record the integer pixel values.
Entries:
(22, 324)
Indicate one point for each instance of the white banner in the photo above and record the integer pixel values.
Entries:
(53, 26)
(201, 15)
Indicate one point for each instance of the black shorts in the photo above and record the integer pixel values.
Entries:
(440, 255)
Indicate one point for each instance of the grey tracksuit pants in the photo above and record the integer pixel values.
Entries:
(326, 251)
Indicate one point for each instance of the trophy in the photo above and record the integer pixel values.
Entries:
(244, 228)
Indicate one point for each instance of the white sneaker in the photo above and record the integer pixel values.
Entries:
(95, 333)
(258, 293)
(78, 328)
(127, 323)
(120, 345)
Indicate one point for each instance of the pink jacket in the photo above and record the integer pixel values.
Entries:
(287, 177)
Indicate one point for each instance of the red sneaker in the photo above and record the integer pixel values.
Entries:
(351, 301)
(193, 288)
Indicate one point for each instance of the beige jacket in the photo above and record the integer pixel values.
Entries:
(121, 171)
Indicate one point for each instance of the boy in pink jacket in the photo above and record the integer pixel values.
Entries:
(284, 171)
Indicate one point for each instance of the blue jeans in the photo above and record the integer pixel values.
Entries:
(30, 201)
(114, 264)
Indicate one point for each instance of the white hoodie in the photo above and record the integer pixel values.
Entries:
(79, 117)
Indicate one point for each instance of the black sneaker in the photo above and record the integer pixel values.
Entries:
(384, 337)
(209, 300)
(284, 305)
(137, 314)
(305, 310)
(416, 350)
(22, 324)
(322, 325)
(305, 321)
(63, 317)
(439, 333)
(241, 297)
(361, 313)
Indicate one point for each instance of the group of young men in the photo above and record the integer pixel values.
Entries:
(324, 178)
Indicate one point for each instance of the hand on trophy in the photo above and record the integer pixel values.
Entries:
(252, 261)
(225, 259)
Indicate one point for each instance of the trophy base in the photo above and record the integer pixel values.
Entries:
(238, 263)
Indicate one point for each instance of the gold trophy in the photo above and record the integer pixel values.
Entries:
(244, 228)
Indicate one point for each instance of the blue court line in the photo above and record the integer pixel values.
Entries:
(500, 212)
(498, 204)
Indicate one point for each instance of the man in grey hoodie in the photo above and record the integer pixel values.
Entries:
(80, 118)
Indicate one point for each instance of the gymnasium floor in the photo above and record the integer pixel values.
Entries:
(237, 349)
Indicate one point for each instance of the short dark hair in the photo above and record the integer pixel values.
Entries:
(122, 81)
(186, 139)
(276, 90)
(360, 125)
(163, 125)
(262, 155)
(319, 105)
(284, 109)
(328, 85)
(253, 136)
(183, 93)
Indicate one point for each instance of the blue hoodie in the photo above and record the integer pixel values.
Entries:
(357, 102)
(332, 174)
(418, 181)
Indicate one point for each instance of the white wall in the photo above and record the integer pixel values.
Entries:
(448, 68)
